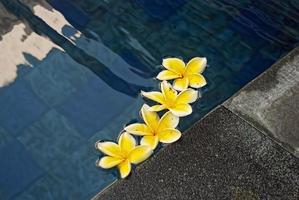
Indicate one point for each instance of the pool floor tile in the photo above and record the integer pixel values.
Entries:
(17, 168)
(50, 138)
(81, 179)
(44, 188)
(56, 77)
(98, 104)
(20, 106)
(5, 137)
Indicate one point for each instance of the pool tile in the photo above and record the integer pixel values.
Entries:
(49, 187)
(51, 138)
(82, 180)
(44, 188)
(2, 194)
(93, 106)
(17, 169)
(56, 77)
(19, 106)
(5, 137)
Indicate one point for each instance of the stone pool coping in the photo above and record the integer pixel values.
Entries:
(233, 152)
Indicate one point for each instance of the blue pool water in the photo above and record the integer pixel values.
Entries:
(80, 66)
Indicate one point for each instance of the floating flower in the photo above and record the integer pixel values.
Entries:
(154, 129)
(184, 75)
(122, 154)
(177, 104)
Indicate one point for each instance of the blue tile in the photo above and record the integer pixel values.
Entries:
(51, 138)
(69, 181)
(81, 180)
(19, 106)
(17, 169)
(5, 137)
(44, 188)
(93, 106)
(3, 195)
(56, 77)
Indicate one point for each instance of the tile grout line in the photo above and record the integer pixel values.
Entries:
(262, 132)
(258, 126)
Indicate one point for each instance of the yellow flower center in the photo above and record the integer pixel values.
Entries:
(124, 155)
(170, 104)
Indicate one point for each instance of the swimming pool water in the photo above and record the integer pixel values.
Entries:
(80, 66)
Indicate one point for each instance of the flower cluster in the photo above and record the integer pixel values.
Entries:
(175, 99)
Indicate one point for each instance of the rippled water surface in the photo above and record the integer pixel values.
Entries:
(71, 73)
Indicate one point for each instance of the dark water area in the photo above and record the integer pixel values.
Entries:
(71, 73)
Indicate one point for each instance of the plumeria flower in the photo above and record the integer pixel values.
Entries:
(184, 75)
(122, 154)
(154, 129)
(168, 98)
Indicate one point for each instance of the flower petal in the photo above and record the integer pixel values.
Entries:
(197, 80)
(149, 117)
(169, 135)
(139, 154)
(181, 83)
(167, 75)
(155, 96)
(169, 93)
(124, 168)
(181, 110)
(187, 96)
(138, 129)
(157, 108)
(168, 120)
(151, 141)
(196, 65)
(126, 142)
(107, 162)
(109, 148)
(174, 64)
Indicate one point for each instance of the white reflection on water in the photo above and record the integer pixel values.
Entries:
(54, 19)
(13, 46)
(95, 48)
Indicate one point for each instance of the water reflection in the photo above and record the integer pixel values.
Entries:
(16, 39)
(76, 53)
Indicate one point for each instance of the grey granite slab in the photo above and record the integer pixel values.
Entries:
(271, 102)
(220, 157)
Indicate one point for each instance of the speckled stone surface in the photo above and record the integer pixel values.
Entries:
(271, 102)
(220, 157)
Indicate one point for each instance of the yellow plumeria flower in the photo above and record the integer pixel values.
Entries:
(184, 75)
(168, 98)
(122, 154)
(154, 129)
